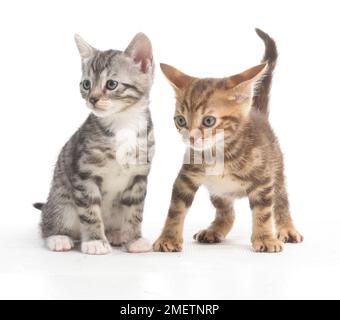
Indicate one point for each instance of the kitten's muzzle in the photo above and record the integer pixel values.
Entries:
(94, 100)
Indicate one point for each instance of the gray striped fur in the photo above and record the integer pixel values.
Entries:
(98, 187)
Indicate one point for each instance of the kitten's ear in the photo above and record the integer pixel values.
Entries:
(245, 83)
(177, 79)
(140, 50)
(85, 50)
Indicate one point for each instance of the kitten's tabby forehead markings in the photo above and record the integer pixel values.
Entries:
(102, 60)
(200, 93)
(131, 69)
(194, 95)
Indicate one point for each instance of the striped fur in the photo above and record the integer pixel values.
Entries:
(261, 99)
(100, 179)
(252, 165)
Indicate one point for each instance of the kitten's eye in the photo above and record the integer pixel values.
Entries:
(111, 84)
(209, 121)
(180, 120)
(87, 84)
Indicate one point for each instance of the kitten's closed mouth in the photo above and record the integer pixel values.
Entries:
(99, 109)
(200, 145)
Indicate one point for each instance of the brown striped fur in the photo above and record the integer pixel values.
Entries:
(253, 162)
(261, 99)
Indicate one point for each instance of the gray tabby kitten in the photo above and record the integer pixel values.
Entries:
(100, 180)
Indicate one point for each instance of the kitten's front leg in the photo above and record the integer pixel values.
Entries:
(261, 203)
(286, 230)
(132, 205)
(222, 224)
(88, 202)
(131, 234)
(184, 190)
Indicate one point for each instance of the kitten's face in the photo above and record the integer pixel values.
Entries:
(112, 81)
(209, 111)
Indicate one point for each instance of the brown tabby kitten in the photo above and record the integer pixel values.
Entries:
(252, 163)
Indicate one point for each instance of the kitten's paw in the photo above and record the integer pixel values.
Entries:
(59, 243)
(208, 236)
(267, 245)
(139, 246)
(96, 247)
(168, 245)
(289, 234)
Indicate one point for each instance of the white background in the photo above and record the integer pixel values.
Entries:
(41, 107)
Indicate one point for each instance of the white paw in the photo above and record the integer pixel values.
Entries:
(139, 246)
(96, 247)
(59, 243)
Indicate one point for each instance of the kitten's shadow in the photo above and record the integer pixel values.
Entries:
(226, 244)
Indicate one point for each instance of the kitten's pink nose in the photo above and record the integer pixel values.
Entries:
(194, 136)
(94, 100)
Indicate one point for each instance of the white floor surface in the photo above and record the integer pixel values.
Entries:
(225, 271)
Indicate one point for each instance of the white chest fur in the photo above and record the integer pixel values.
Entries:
(118, 173)
(224, 185)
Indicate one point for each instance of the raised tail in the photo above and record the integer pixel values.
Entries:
(261, 99)
(38, 205)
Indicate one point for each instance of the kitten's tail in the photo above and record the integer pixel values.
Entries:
(261, 99)
(38, 205)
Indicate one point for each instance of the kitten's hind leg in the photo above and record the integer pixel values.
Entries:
(286, 231)
(261, 202)
(59, 226)
(222, 224)
(59, 243)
